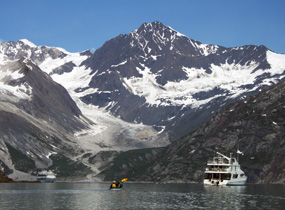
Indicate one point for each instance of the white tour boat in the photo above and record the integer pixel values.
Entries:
(46, 176)
(223, 170)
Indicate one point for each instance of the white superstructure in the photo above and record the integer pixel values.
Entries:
(46, 176)
(223, 170)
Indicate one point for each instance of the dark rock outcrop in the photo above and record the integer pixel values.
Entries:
(255, 126)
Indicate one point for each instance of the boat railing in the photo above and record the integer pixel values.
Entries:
(216, 162)
(218, 169)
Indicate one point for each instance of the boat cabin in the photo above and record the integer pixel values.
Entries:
(223, 170)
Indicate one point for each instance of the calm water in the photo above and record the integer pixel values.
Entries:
(139, 196)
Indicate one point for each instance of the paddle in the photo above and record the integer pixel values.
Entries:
(123, 180)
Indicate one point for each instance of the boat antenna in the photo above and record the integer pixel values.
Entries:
(238, 153)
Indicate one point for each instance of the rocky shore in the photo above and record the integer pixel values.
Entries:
(5, 179)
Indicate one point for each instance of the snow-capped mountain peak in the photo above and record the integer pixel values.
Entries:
(27, 42)
(157, 29)
(157, 68)
(155, 37)
(165, 36)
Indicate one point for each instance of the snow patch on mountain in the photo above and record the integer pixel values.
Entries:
(206, 49)
(225, 76)
(2, 59)
(120, 64)
(80, 77)
(178, 34)
(22, 91)
(50, 64)
(27, 42)
(277, 62)
(145, 86)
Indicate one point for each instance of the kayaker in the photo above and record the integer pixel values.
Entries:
(113, 185)
(118, 185)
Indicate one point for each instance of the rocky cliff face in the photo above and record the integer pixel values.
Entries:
(37, 118)
(255, 126)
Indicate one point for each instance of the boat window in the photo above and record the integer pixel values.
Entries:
(235, 176)
(216, 176)
(208, 176)
(226, 176)
(242, 175)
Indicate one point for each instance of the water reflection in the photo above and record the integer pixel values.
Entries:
(139, 196)
(228, 197)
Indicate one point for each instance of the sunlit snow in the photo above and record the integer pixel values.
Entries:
(49, 64)
(227, 76)
(276, 61)
(22, 91)
(27, 42)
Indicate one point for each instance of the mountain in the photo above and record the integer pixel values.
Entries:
(159, 77)
(38, 118)
(156, 77)
(41, 125)
(255, 126)
(68, 70)
(139, 90)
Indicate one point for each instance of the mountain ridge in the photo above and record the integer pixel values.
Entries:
(142, 89)
(151, 67)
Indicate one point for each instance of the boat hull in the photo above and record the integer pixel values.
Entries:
(46, 177)
(46, 180)
(237, 183)
(116, 189)
(225, 182)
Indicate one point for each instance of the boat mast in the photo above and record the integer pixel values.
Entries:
(222, 155)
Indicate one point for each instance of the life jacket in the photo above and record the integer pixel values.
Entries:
(114, 186)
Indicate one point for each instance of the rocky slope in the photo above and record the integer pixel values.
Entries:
(255, 126)
(37, 118)
(41, 126)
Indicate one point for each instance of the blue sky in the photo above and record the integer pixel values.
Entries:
(78, 25)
